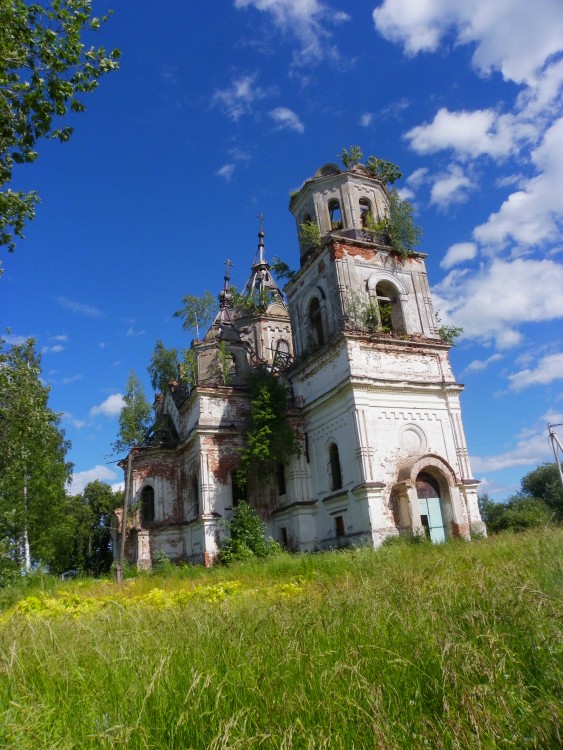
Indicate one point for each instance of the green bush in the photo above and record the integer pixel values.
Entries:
(247, 538)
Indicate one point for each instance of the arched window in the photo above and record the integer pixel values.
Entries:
(147, 504)
(335, 214)
(365, 211)
(316, 320)
(195, 494)
(388, 308)
(334, 467)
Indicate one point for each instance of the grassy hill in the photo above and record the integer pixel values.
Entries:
(410, 646)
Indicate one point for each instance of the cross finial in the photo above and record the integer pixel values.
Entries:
(261, 219)
(228, 265)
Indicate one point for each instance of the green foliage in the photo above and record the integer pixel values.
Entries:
(163, 367)
(454, 646)
(448, 334)
(310, 235)
(293, 196)
(197, 312)
(254, 303)
(368, 315)
(281, 270)
(44, 69)
(403, 233)
(270, 438)
(384, 170)
(135, 416)
(544, 484)
(187, 368)
(518, 513)
(223, 364)
(34, 518)
(351, 157)
(247, 537)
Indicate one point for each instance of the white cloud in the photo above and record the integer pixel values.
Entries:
(470, 134)
(500, 296)
(531, 449)
(111, 407)
(306, 20)
(72, 420)
(71, 379)
(14, 339)
(226, 172)
(81, 478)
(132, 332)
(367, 119)
(451, 187)
(458, 253)
(238, 99)
(549, 368)
(532, 215)
(287, 119)
(79, 307)
(60, 337)
(55, 349)
(478, 365)
(515, 37)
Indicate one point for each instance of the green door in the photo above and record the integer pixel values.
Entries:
(430, 506)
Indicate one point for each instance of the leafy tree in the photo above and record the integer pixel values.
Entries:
(163, 367)
(197, 312)
(403, 233)
(98, 501)
(270, 437)
(544, 484)
(384, 170)
(188, 367)
(310, 234)
(247, 539)
(281, 270)
(34, 509)
(351, 157)
(516, 514)
(44, 69)
(135, 416)
(448, 334)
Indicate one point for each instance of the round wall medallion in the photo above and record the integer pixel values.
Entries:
(413, 439)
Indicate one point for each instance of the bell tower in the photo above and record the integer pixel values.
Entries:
(373, 377)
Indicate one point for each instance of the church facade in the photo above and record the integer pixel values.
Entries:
(370, 387)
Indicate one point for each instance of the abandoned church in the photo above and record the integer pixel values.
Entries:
(354, 340)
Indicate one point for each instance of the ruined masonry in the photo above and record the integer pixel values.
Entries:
(369, 383)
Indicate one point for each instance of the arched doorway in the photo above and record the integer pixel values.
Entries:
(430, 505)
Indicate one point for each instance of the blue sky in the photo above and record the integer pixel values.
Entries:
(220, 109)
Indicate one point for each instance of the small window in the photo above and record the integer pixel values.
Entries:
(237, 490)
(281, 479)
(283, 535)
(316, 320)
(335, 214)
(147, 504)
(335, 468)
(339, 526)
(365, 211)
(195, 494)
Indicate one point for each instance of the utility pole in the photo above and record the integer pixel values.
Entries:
(556, 447)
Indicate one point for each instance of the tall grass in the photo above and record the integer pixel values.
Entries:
(456, 646)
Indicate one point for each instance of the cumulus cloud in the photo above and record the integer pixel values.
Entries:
(79, 307)
(478, 365)
(549, 368)
(239, 97)
(493, 302)
(530, 450)
(515, 37)
(69, 418)
(458, 253)
(470, 134)
(55, 349)
(286, 119)
(226, 172)
(532, 215)
(306, 20)
(81, 478)
(367, 119)
(111, 407)
(450, 187)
